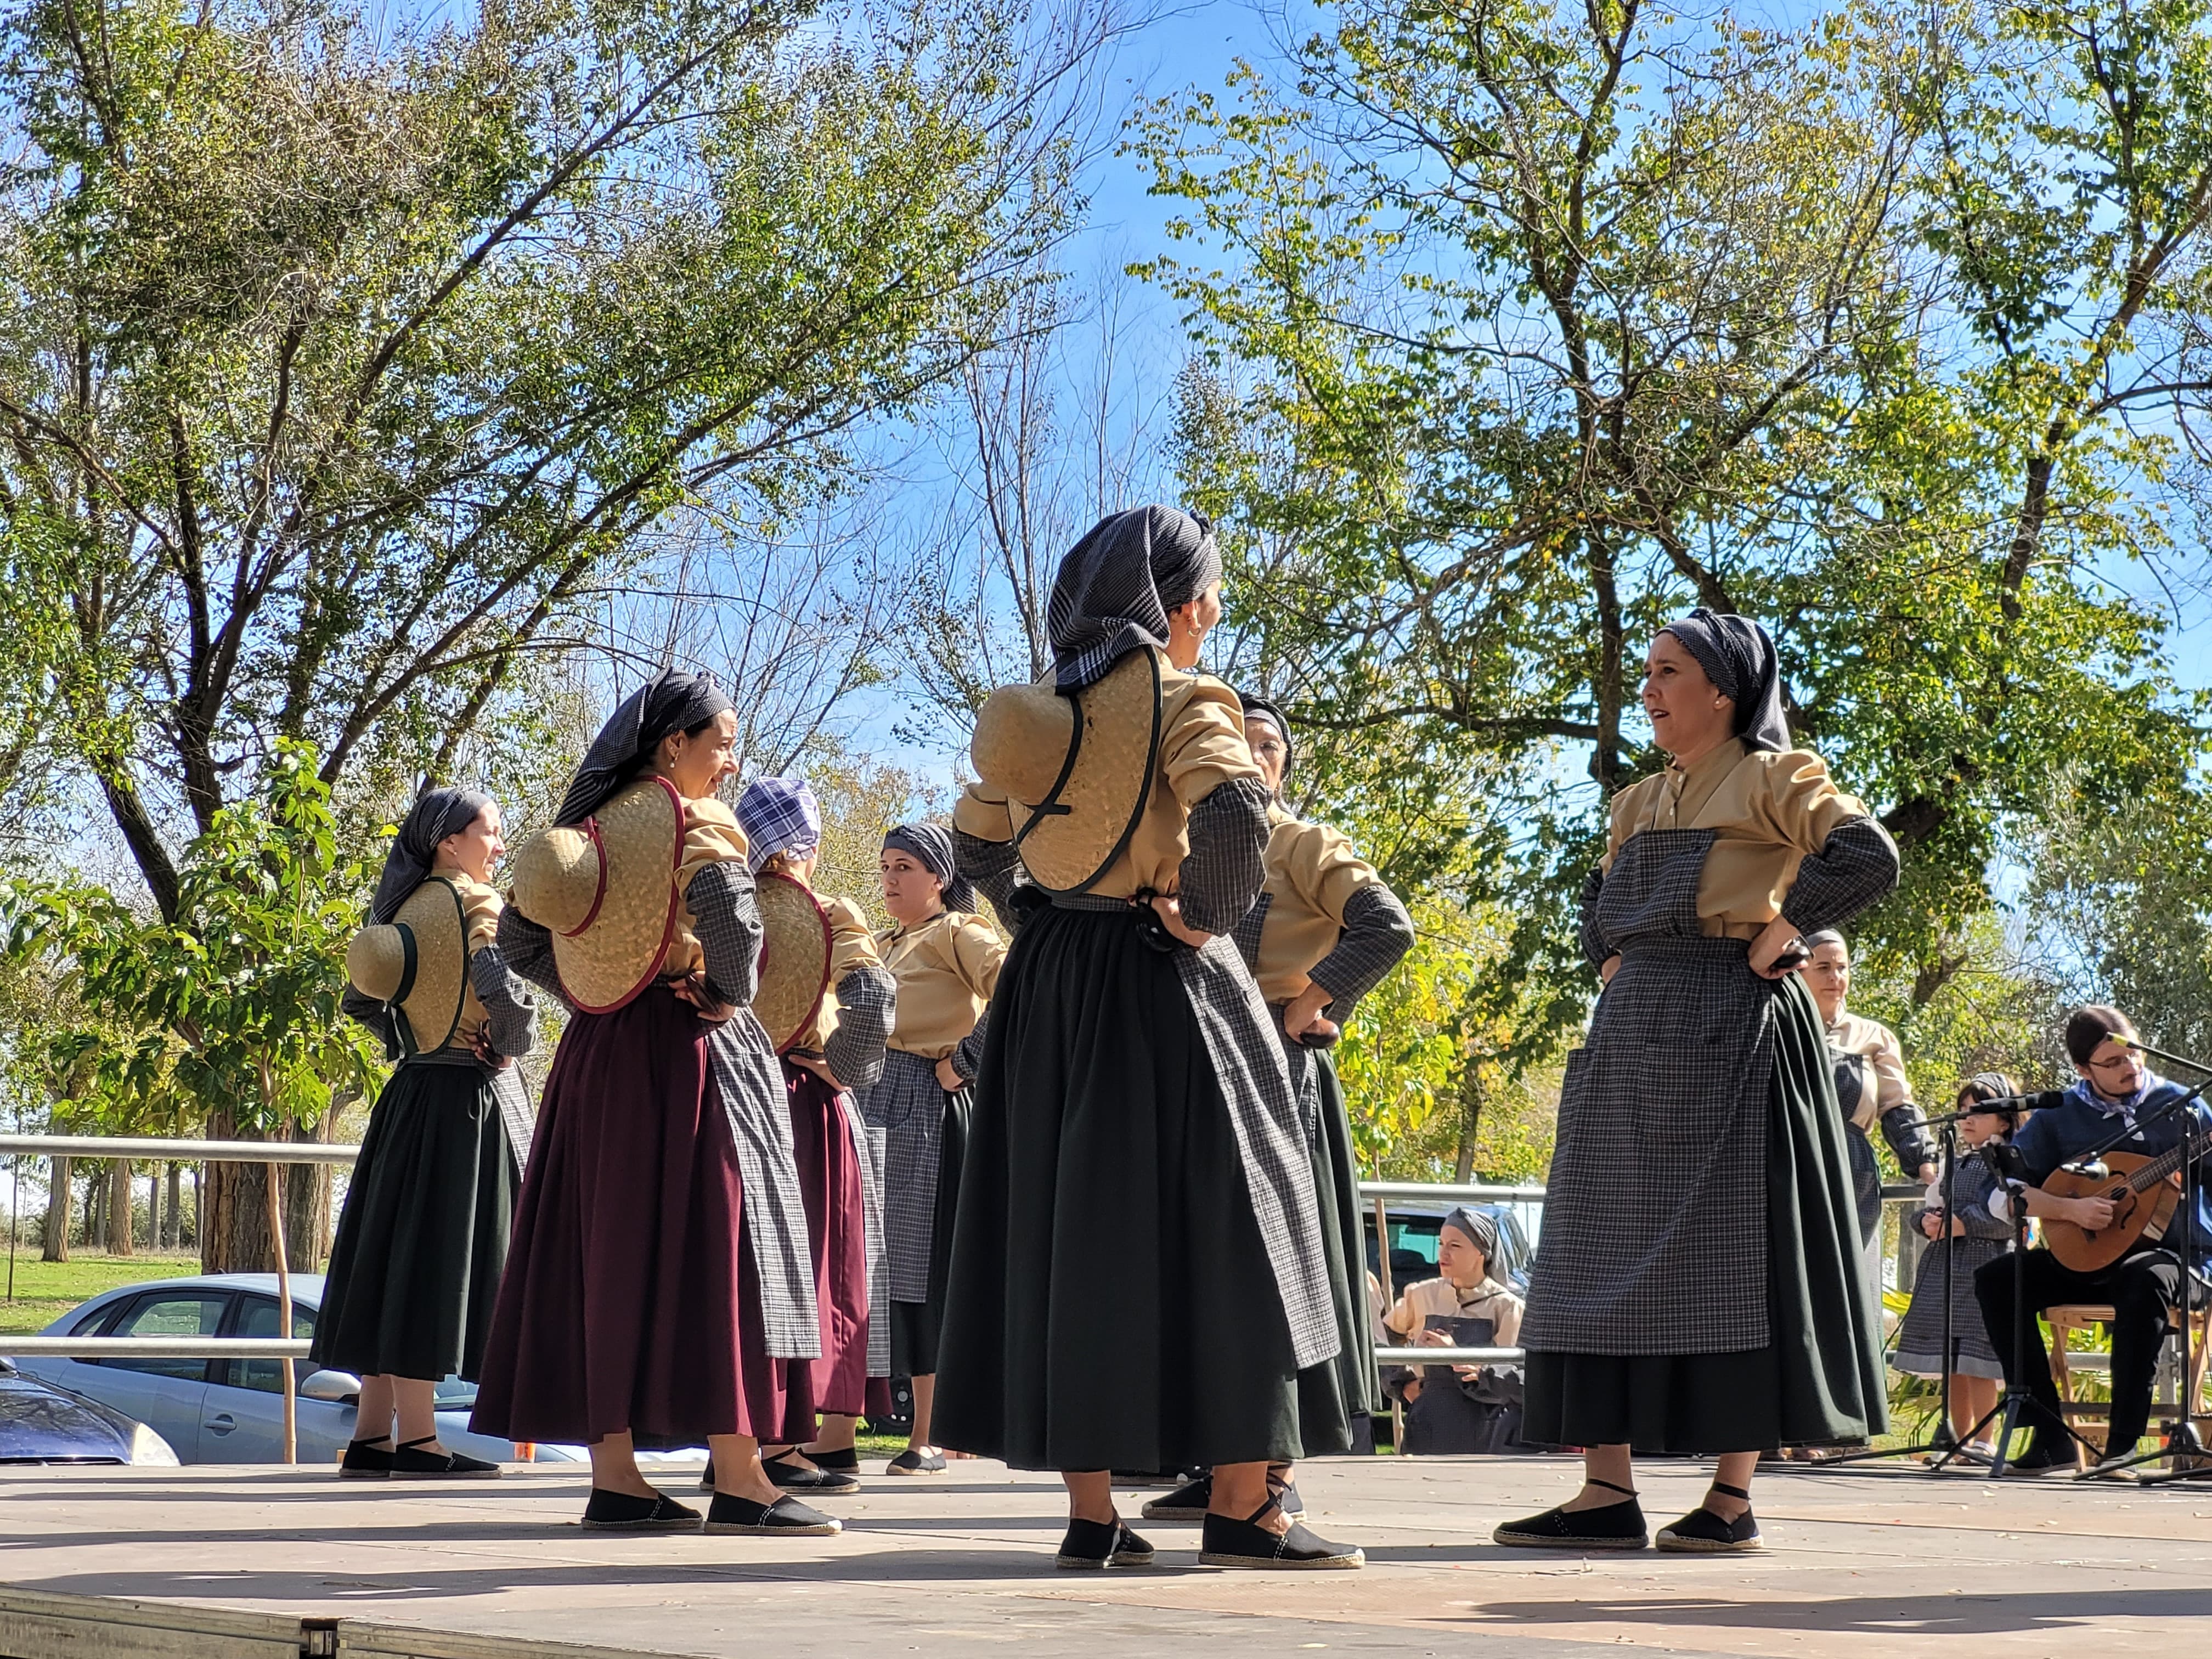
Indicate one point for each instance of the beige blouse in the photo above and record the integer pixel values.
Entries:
(1768, 811)
(1201, 747)
(1433, 1296)
(1885, 1058)
(946, 969)
(711, 835)
(1312, 873)
(851, 945)
(480, 908)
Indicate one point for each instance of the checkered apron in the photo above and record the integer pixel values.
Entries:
(1654, 1222)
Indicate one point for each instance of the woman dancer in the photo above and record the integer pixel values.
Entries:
(1702, 1107)
(945, 959)
(422, 1238)
(1324, 933)
(630, 1302)
(1959, 1244)
(1138, 1273)
(840, 1048)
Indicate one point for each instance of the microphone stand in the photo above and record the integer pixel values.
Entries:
(1941, 1438)
(2184, 1441)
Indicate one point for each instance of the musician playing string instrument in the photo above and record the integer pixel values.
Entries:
(2117, 1095)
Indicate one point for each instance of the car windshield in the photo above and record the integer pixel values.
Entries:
(454, 1395)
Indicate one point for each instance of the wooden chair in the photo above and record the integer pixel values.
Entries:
(2070, 1316)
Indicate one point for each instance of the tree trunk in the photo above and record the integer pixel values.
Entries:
(307, 1205)
(55, 1246)
(233, 1212)
(120, 1208)
(199, 1194)
(271, 1192)
(1470, 1119)
(96, 1206)
(153, 1217)
(172, 1216)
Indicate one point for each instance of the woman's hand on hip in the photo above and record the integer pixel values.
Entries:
(948, 1079)
(1608, 969)
(1169, 911)
(1776, 940)
(1302, 1014)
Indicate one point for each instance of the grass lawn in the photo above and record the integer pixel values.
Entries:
(45, 1290)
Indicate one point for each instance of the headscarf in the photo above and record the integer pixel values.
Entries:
(778, 815)
(1480, 1230)
(437, 814)
(1117, 585)
(674, 701)
(1739, 659)
(1260, 709)
(932, 843)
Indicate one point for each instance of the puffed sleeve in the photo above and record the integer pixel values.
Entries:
(1903, 1124)
(725, 919)
(978, 953)
(1374, 932)
(867, 999)
(510, 1009)
(528, 950)
(1209, 766)
(984, 847)
(1850, 861)
(1204, 747)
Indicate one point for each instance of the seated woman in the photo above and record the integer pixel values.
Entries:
(1460, 1408)
(1973, 1236)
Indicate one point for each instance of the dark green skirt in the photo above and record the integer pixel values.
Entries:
(422, 1238)
(1820, 1380)
(1336, 1190)
(1110, 1303)
(917, 1327)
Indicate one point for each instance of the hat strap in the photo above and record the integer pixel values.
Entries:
(407, 960)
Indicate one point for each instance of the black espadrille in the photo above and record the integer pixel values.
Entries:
(617, 1512)
(785, 1518)
(1609, 1527)
(1229, 1542)
(1701, 1532)
(1094, 1545)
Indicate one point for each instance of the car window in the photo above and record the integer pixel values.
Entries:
(257, 1316)
(171, 1313)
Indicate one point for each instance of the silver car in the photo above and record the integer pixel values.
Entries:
(232, 1411)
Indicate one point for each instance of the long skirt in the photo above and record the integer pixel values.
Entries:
(1920, 1350)
(836, 1230)
(1111, 1305)
(918, 1328)
(1343, 1236)
(421, 1241)
(630, 1301)
(1820, 1380)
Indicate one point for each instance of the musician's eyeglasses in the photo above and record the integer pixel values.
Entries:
(2116, 1063)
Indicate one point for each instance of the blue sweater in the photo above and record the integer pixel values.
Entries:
(2066, 1131)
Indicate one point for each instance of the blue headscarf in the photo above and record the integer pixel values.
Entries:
(778, 815)
(438, 813)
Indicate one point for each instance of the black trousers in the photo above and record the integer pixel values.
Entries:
(2139, 1288)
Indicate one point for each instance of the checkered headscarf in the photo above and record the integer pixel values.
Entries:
(778, 815)
(1117, 585)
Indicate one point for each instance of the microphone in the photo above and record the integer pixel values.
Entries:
(2043, 1100)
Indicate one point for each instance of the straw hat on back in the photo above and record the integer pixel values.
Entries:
(605, 889)
(1077, 767)
(795, 957)
(417, 965)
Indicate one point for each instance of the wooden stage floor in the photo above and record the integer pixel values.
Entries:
(267, 1563)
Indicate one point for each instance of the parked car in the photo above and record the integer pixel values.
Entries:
(1414, 1228)
(232, 1411)
(40, 1423)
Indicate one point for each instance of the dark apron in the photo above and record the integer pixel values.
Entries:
(1655, 1223)
(1866, 1168)
(1450, 1416)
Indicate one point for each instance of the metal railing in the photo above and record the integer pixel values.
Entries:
(179, 1151)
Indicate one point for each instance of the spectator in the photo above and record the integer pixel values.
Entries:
(1460, 1408)
(1972, 1235)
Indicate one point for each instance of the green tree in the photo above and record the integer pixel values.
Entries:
(346, 362)
(1522, 327)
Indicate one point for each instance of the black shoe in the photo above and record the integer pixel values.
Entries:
(847, 1461)
(787, 1476)
(2043, 1459)
(617, 1512)
(1190, 1501)
(1229, 1542)
(409, 1464)
(1611, 1526)
(1701, 1532)
(363, 1462)
(911, 1461)
(707, 1476)
(785, 1518)
(1098, 1544)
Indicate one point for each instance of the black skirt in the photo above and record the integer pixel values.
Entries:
(1344, 1238)
(1110, 1303)
(918, 1328)
(1820, 1380)
(421, 1240)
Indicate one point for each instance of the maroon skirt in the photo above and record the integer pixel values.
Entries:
(837, 1231)
(630, 1300)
